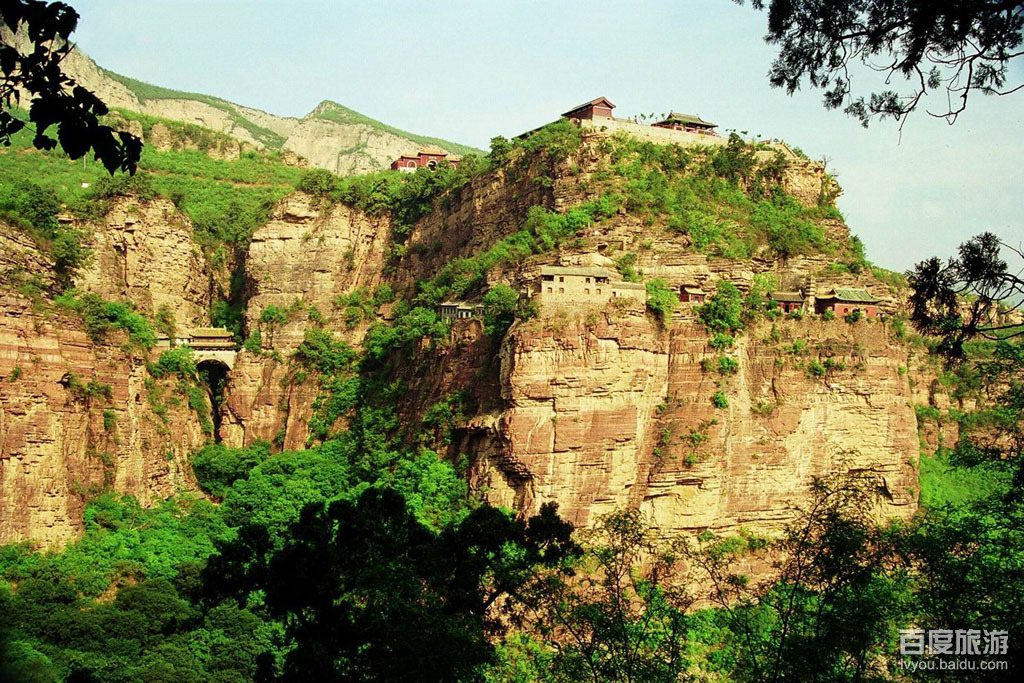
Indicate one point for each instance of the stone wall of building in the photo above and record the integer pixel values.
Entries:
(661, 136)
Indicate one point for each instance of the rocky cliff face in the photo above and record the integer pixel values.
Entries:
(611, 411)
(76, 416)
(143, 251)
(312, 252)
(591, 408)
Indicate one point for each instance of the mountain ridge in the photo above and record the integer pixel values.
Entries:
(332, 136)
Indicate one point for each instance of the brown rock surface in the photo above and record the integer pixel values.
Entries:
(143, 251)
(261, 405)
(56, 445)
(600, 416)
(311, 253)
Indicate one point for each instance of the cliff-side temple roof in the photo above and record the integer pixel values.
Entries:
(786, 297)
(210, 332)
(692, 289)
(850, 295)
(600, 100)
(584, 272)
(435, 151)
(689, 120)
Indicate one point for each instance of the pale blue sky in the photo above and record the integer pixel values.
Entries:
(467, 71)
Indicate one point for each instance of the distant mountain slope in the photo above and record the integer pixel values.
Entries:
(331, 136)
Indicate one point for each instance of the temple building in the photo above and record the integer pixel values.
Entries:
(599, 108)
(428, 157)
(559, 284)
(844, 301)
(690, 123)
(691, 294)
(788, 301)
(457, 310)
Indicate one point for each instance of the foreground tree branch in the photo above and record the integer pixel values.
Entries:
(957, 46)
(34, 40)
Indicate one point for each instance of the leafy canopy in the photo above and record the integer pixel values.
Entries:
(949, 48)
(30, 59)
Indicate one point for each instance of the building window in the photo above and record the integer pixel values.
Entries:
(586, 291)
(549, 290)
(588, 280)
(599, 292)
(561, 279)
(561, 290)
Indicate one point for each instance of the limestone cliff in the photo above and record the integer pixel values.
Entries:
(76, 415)
(143, 251)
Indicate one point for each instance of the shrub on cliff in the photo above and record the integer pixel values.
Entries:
(180, 361)
(723, 312)
(34, 208)
(139, 185)
(661, 300)
(555, 140)
(781, 222)
(100, 316)
(500, 305)
(318, 182)
(29, 205)
(418, 323)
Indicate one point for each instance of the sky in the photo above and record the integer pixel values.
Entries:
(467, 71)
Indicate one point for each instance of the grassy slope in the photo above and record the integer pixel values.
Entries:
(146, 91)
(212, 192)
(332, 111)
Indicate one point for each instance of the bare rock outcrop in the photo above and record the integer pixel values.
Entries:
(144, 251)
(610, 412)
(311, 252)
(76, 418)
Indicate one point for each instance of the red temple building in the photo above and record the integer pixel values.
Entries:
(844, 301)
(691, 293)
(428, 157)
(788, 301)
(688, 122)
(594, 109)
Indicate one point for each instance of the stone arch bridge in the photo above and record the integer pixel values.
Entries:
(209, 344)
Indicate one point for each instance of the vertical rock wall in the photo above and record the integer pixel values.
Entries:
(618, 412)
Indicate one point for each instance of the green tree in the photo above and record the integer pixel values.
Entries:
(619, 615)
(946, 47)
(832, 608)
(366, 592)
(500, 305)
(30, 59)
(967, 296)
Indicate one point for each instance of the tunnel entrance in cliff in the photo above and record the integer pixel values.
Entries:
(213, 375)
